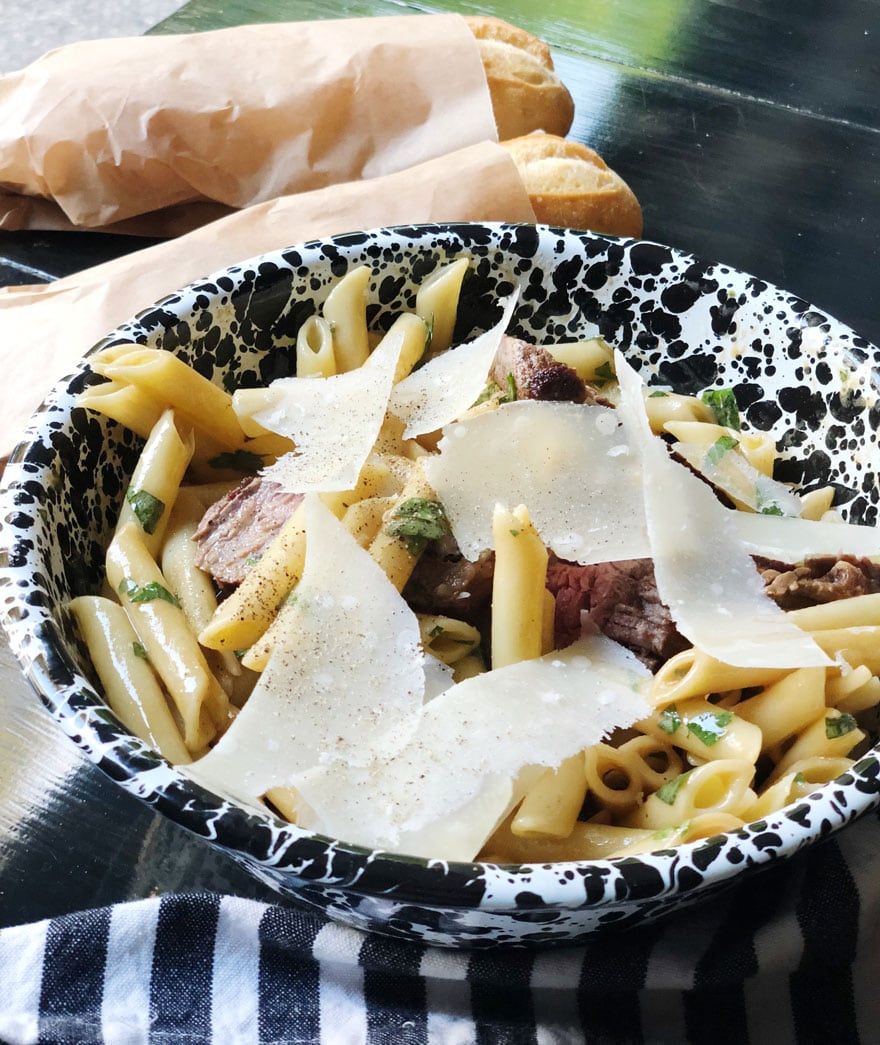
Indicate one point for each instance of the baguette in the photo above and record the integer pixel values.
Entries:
(526, 93)
(571, 186)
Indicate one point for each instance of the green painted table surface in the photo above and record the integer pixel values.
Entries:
(750, 131)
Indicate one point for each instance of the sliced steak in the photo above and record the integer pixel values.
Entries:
(237, 529)
(819, 578)
(621, 600)
(445, 582)
(537, 375)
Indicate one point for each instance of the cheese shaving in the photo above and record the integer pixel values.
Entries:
(333, 421)
(444, 792)
(704, 574)
(446, 386)
(344, 684)
(792, 540)
(571, 465)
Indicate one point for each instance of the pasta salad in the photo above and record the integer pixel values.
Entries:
(498, 600)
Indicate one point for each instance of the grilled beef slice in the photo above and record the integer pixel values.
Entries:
(237, 529)
(621, 600)
(819, 578)
(537, 375)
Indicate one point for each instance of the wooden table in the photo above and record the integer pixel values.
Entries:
(751, 133)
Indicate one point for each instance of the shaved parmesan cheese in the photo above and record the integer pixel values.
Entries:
(570, 465)
(333, 421)
(446, 790)
(792, 540)
(449, 384)
(704, 574)
(726, 468)
(344, 684)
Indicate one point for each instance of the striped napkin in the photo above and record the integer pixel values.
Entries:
(788, 956)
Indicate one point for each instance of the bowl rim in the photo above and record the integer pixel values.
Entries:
(57, 681)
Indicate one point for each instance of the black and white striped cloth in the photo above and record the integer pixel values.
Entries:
(789, 956)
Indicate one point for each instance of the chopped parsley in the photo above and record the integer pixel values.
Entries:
(436, 631)
(605, 372)
(139, 650)
(146, 507)
(489, 392)
(669, 792)
(669, 720)
(840, 726)
(722, 403)
(149, 592)
(720, 447)
(239, 460)
(709, 727)
(416, 522)
(510, 395)
(658, 393)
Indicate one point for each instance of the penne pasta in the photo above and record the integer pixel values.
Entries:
(157, 476)
(517, 588)
(160, 623)
(345, 311)
(129, 683)
(437, 302)
(314, 349)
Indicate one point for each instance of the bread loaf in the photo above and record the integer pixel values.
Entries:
(526, 93)
(572, 186)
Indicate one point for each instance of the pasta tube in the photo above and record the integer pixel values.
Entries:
(705, 731)
(129, 684)
(154, 484)
(552, 805)
(613, 776)
(314, 349)
(447, 639)
(193, 397)
(518, 587)
(693, 673)
(787, 706)
(437, 302)
(345, 310)
(720, 786)
(161, 627)
(130, 406)
(592, 359)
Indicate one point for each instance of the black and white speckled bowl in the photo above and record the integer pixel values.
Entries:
(798, 374)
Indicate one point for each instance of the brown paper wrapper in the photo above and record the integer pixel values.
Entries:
(96, 133)
(52, 325)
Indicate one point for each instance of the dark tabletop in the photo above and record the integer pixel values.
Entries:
(750, 132)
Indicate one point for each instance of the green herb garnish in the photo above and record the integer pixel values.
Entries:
(604, 372)
(669, 792)
(720, 447)
(146, 507)
(139, 650)
(238, 460)
(840, 726)
(147, 593)
(722, 403)
(709, 726)
(669, 720)
(436, 631)
(657, 394)
(489, 392)
(416, 522)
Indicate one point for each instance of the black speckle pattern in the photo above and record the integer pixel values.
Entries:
(687, 324)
